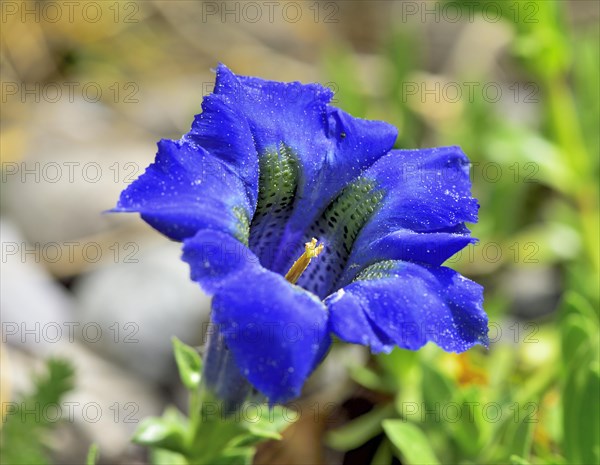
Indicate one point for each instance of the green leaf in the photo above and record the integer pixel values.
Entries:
(579, 330)
(436, 387)
(162, 433)
(383, 455)
(189, 364)
(467, 431)
(23, 433)
(236, 456)
(411, 442)
(399, 366)
(215, 433)
(590, 423)
(575, 303)
(580, 398)
(580, 404)
(92, 456)
(167, 457)
(360, 430)
(270, 424)
(59, 380)
(576, 337)
(366, 377)
(516, 460)
(522, 436)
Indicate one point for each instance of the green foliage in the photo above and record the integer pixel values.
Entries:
(411, 443)
(92, 457)
(167, 432)
(189, 364)
(207, 435)
(29, 419)
(580, 329)
(356, 432)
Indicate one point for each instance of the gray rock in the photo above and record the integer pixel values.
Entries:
(36, 310)
(134, 309)
(77, 162)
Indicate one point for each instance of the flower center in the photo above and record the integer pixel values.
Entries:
(311, 250)
(276, 241)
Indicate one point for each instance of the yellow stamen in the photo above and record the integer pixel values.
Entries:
(311, 250)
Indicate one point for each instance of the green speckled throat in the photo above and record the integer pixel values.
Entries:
(378, 270)
(278, 182)
(337, 226)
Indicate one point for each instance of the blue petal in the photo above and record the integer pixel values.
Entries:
(276, 331)
(215, 257)
(224, 131)
(406, 304)
(425, 190)
(270, 325)
(221, 375)
(187, 189)
(426, 200)
(330, 147)
(431, 248)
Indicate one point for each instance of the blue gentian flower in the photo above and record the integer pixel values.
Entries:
(266, 168)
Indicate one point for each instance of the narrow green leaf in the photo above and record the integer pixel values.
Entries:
(92, 456)
(411, 442)
(262, 424)
(516, 460)
(522, 436)
(162, 433)
(271, 423)
(383, 455)
(436, 387)
(460, 420)
(589, 431)
(23, 434)
(580, 390)
(213, 435)
(580, 425)
(167, 457)
(576, 335)
(366, 377)
(360, 430)
(189, 364)
(236, 456)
